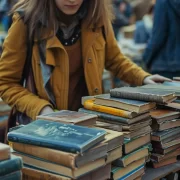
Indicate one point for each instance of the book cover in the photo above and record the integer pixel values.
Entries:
(55, 135)
(163, 88)
(60, 157)
(70, 117)
(4, 152)
(89, 104)
(116, 119)
(59, 169)
(126, 104)
(11, 165)
(138, 93)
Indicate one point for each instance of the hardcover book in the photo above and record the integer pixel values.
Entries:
(157, 144)
(133, 144)
(114, 154)
(55, 135)
(4, 152)
(60, 157)
(165, 125)
(171, 160)
(134, 156)
(119, 172)
(137, 93)
(165, 150)
(138, 125)
(116, 119)
(32, 173)
(137, 133)
(162, 115)
(90, 105)
(126, 104)
(11, 165)
(162, 135)
(111, 126)
(70, 117)
(159, 157)
(59, 169)
(172, 83)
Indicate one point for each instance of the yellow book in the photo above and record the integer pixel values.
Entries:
(89, 104)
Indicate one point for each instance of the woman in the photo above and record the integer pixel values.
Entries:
(73, 43)
(162, 54)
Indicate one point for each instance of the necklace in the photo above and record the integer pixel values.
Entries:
(73, 39)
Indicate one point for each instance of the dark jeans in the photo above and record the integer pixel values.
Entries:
(167, 74)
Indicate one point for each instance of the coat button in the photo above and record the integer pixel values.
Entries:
(96, 90)
(89, 60)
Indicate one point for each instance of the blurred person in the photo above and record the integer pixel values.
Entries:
(123, 12)
(162, 55)
(144, 27)
(73, 42)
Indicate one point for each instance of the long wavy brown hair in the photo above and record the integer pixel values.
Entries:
(45, 11)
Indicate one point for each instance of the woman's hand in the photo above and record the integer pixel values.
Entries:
(154, 79)
(46, 110)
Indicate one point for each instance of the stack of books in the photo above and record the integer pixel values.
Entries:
(10, 165)
(113, 139)
(4, 113)
(164, 121)
(55, 150)
(133, 119)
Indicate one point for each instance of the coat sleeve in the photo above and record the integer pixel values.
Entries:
(120, 65)
(11, 66)
(159, 32)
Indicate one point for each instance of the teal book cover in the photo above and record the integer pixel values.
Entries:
(11, 165)
(12, 176)
(56, 135)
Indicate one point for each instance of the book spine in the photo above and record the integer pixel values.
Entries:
(89, 104)
(12, 176)
(9, 166)
(136, 96)
(105, 116)
(59, 157)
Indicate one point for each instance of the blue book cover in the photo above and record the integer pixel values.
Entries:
(11, 165)
(56, 135)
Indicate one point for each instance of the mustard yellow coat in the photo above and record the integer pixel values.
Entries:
(97, 53)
